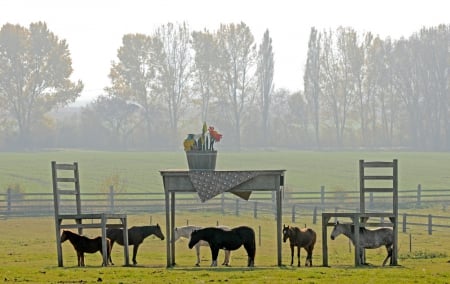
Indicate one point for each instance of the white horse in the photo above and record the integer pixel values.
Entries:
(368, 239)
(185, 232)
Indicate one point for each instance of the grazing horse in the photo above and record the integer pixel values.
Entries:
(136, 236)
(227, 240)
(84, 244)
(185, 232)
(368, 239)
(302, 238)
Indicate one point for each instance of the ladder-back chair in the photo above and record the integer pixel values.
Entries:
(66, 182)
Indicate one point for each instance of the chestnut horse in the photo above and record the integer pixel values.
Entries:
(302, 238)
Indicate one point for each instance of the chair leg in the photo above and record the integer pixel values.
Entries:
(104, 245)
(58, 244)
(125, 242)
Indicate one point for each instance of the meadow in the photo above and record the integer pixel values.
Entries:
(28, 250)
(28, 255)
(139, 171)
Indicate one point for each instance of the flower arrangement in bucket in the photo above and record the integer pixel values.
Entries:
(199, 148)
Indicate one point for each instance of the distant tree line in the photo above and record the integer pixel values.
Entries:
(359, 91)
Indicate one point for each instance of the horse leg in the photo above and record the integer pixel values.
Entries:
(226, 261)
(389, 255)
(110, 250)
(298, 256)
(80, 258)
(250, 247)
(214, 255)
(197, 250)
(292, 255)
(308, 256)
(362, 257)
(135, 250)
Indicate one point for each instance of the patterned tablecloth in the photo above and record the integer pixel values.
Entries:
(209, 184)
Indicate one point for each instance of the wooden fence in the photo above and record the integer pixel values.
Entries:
(297, 204)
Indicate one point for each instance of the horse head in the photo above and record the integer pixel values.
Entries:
(194, 239)
(64, 236)
(336, 230)
(158, 232)
(286, 232)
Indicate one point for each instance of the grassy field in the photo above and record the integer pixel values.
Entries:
(28, 251)
(139, 171)
(28, 255)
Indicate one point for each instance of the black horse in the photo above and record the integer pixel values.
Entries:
(227, 240)
(84, 244)
(136, 236)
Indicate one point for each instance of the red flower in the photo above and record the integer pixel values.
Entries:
(214, 134)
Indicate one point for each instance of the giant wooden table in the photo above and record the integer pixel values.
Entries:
(184, 181)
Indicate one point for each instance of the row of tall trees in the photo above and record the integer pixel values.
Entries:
(359, 91)
(380, 92)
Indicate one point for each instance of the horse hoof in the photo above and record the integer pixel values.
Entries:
(197, 264)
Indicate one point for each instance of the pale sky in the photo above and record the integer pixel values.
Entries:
(94, 29)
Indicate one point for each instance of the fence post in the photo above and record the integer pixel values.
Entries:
(419, 194)
(111, 198)
(255, 210)
(322, 195)
(222, 203)
(9, 201)
(315, 215)
(430, 224)
(293, 213)
(259, 235)
(237, 207)
(404, 222)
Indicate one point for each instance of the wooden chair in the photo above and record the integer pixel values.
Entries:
(66, 183)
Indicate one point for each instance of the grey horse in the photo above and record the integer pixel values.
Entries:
(368, 239)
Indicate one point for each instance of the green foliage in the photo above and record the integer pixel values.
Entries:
(35, 67)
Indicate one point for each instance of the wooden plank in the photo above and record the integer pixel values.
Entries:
(378, 164)
(378, 177)
(67, 167)
(378, 189)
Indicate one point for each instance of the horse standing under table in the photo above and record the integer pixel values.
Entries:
(227, 240)
(302, 238)
(368, 239)
(84, 244)
(185, 232)
(136, 236)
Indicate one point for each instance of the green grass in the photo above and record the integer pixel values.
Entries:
(139, 171)
(28, 251)
(28, 255)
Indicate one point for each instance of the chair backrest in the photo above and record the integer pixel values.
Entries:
(66, 182)
(384, 178)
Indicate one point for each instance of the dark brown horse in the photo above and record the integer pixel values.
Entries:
(136, 235)
(84, 244)
(227, 240)
(302, 238)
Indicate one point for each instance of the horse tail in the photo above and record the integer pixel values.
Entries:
(314, 237)
(253, 244)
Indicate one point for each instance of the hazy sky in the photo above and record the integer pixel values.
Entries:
(94, 28)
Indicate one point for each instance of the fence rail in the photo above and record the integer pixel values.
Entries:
(295, 204)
